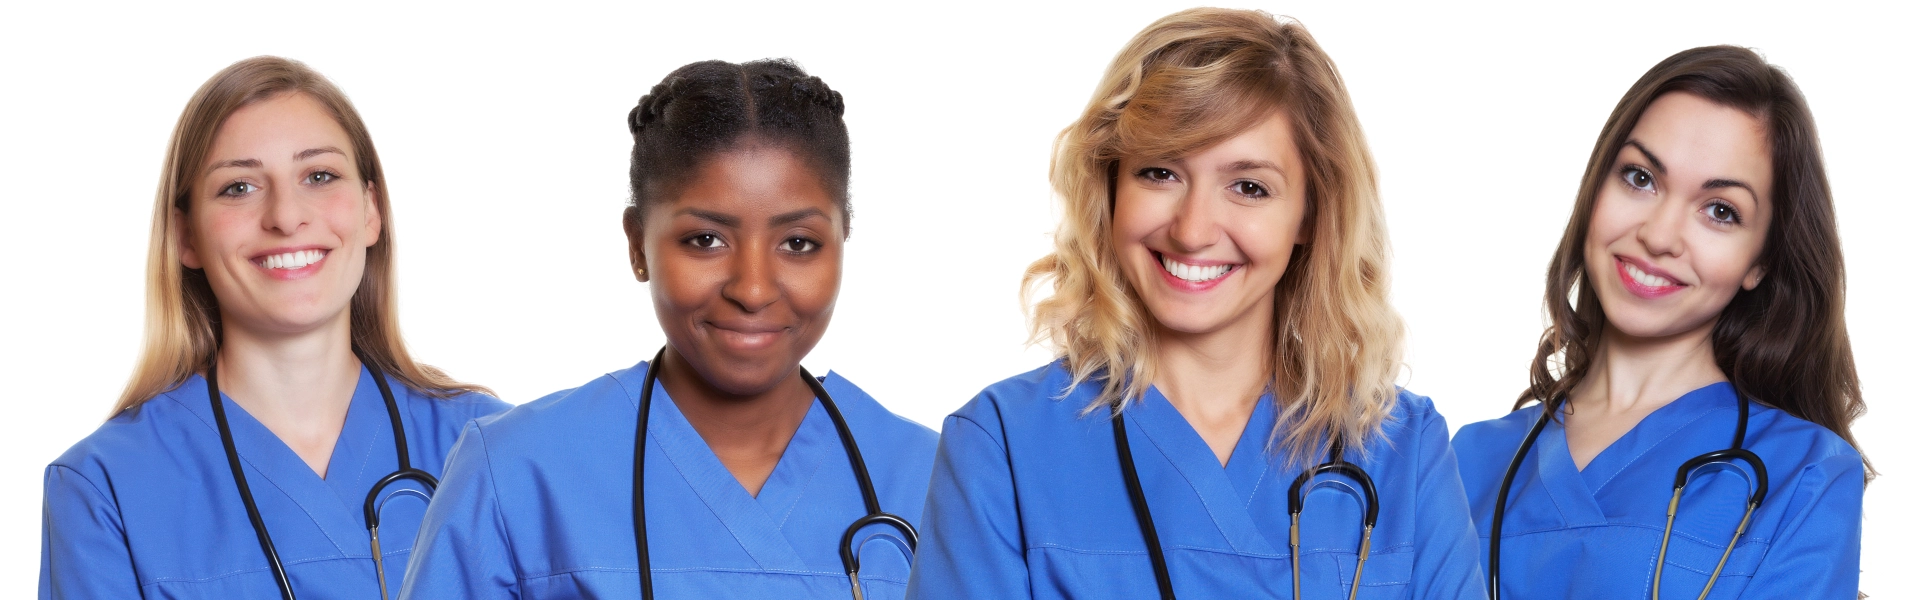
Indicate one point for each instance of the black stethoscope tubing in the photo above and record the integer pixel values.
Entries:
(1736, 452)
(1296, 503)
(371, 508)
(849, 558)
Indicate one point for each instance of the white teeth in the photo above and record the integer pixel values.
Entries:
(1645, 278)
(292, 260)
(1194, 273)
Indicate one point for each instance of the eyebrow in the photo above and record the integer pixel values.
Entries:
(795, 216)
(1715, 184)
(1650, 157)
(1250, 165)
(254, 163)
(707, 215)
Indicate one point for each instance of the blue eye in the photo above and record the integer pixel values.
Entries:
(237, 189)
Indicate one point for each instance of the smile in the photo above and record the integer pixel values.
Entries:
(1642, 283)
(1194, 273)
(289, 261)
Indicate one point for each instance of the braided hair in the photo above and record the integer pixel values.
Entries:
(713, 106)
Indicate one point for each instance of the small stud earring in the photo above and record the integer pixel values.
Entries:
(640, 273)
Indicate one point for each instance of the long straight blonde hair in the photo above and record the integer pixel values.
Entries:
(1189, 81)
(183, 316)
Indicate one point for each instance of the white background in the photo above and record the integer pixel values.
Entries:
(502, 132)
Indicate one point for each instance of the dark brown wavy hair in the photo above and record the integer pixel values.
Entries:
(1783, 343)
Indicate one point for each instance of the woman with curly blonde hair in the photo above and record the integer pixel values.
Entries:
(1226, 355)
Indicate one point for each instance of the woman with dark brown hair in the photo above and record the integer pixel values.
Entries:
(1695, 387)
(276, 436)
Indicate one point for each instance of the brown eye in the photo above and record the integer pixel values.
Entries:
(1156, 174)
(799, 245)
(705, 241)
(1638, 178)
(320, 177)
(1249, 189)
(1723, 213)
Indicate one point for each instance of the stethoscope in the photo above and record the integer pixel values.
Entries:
(1673, 506)
(1296, 502)
(372, 507)
(849, 557)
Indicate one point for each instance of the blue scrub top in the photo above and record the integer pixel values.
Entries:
(1028, 501)
(538, 503)
(146, 506)
(1573, 532)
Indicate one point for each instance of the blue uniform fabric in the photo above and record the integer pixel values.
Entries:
(1028, 501)
(146, 506)
(1595, 533)
(538, 503)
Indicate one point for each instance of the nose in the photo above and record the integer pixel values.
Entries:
(751, 284)
(1660, 234)
(285, 213)
(1196, 222)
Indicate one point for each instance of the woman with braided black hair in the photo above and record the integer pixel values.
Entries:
(737, 224)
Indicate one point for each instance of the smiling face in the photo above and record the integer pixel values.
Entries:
(279, 218)
(744, 265)
(1205, 238)
(1678, 227)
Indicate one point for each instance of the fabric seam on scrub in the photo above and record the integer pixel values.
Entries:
(493, 491)
(801, 493)
(1649, 449)
(264, 475)
(1191, 484)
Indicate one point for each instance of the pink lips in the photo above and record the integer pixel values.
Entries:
(291, 274)
(1193, 286)
(1639, 289)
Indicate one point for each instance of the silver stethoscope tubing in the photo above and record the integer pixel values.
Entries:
(849, 556)
(1296, 502)
(372, 507)
(1737, 452)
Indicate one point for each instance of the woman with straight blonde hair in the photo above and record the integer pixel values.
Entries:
(1222, 420)
(275, 420)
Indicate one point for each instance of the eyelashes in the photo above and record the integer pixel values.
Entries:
(1243, 187)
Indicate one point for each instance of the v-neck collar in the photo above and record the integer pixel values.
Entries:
(753, 526)
(332, 503)
(1683, 414)
(1167, 431)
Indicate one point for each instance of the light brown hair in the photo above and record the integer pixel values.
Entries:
(183, 316)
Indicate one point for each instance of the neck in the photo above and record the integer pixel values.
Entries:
(1639, 375)
(748, 432)
(298, 385)
(1215, 379)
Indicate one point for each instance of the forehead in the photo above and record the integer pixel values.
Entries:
(753, 180)
(289, 121)
(1696, 138)
(1269, 139)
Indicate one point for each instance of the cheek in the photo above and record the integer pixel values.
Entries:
(812, 288)
(1134, 217)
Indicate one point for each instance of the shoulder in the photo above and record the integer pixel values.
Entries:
(569, 413)
(1786, 440)
(1044, 392)
(870, 419)
(136, 434)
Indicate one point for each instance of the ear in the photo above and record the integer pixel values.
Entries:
(1754, 275)
(636, 242)
(374, 218)
(183, 240)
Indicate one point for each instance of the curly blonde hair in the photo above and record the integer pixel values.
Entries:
(1189, 81)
